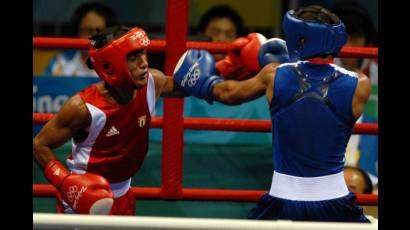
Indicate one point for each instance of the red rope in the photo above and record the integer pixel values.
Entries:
(42, 118)
(359, 52)
(370, 199)
(366, 128)
(46, 190)
(63, 43)
(159, 45)
(222, 124)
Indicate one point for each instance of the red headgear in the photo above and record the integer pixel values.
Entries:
(110, 61)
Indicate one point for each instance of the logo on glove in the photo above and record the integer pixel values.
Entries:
(73, 196)
(192, 76)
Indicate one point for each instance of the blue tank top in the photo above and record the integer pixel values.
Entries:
(312, 118)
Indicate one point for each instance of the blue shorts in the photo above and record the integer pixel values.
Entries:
(342, 209)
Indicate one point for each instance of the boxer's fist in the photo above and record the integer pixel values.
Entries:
(232, 67)
(84, 193)
(249, 52)
(87, 193)
(194, 72)
(244, 63)
(274, 50)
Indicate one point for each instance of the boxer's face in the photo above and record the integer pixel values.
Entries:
(138, 67)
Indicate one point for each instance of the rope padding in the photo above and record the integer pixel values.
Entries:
(223, 124)
(46, 190)
(159, 46)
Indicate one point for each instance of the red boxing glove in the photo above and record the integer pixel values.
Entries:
(84, 193)
(244, 63)
(232, 67)
(249, 53)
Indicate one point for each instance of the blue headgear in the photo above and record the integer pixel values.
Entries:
(307, 38)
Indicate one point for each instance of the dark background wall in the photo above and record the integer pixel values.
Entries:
(50, 17)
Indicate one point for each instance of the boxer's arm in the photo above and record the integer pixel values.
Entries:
(72, 117)
(361, 95)
(236, 92)
(94, 195)
(165, 85)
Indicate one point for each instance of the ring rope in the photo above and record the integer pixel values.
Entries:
(46, 190)
(223, 124)
(159, 45)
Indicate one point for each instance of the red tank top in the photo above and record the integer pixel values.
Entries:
(117, 142)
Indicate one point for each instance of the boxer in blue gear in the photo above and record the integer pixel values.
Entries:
(313, 104)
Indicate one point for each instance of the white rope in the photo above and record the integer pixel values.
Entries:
(64, 221)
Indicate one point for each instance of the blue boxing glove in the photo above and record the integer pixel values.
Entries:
(194, 72)
(273, 50)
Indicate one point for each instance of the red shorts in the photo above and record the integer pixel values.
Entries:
(123, 205)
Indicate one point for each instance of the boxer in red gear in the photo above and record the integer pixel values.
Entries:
(108, 123)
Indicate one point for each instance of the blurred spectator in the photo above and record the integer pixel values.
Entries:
(360, 29)
(221, 23)
(361, 150)
(357, 180)
(87, 18)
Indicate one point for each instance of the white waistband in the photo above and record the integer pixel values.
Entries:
(308, 188)
(120, 188)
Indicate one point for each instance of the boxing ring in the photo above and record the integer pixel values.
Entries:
(173, 124)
